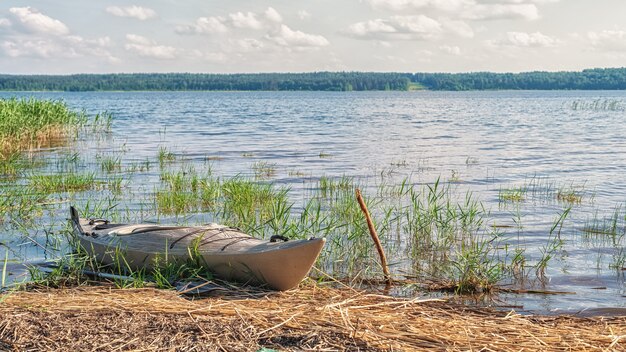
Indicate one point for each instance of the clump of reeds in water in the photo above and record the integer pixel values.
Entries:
(32, 123)
(545, 190)
(598, 105)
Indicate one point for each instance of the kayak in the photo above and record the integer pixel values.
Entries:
(230, 254)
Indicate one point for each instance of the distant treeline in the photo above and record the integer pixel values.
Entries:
(594, 79)
(317, 81)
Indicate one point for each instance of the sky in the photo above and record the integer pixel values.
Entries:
(208, 36)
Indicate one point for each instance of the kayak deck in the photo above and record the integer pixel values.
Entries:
(227, 252)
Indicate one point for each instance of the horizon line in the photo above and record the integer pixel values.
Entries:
(310, 72)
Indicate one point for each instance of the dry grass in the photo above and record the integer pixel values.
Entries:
(28, 124)
(310, 318)
(51, 136)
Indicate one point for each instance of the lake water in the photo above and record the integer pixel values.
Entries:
(483, 142)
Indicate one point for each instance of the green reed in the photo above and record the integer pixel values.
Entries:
(516, 194)
(28, 123)
(598, 105)
(554, 244)
(440, 236)
(102, 122)
(608, 232)
(329, 186)
(428, 231)
(57, 183)
(165, 156)
(264, 169)
(110, 163)
(545, 190)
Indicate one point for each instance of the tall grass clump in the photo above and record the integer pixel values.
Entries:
(102, 122)
(449, 240)
(165, 156)
(264, 169)
(58, 183)
(178, 192)
(598, 105)
(32, 123)
(515, 194)
(259, 208)
(429, 231)
(251, 205)
(609, 233)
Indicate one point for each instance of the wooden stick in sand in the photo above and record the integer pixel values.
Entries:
(379, 247)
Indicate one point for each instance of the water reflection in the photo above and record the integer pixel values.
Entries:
(483, 141)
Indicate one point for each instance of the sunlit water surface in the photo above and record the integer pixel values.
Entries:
(482, 142)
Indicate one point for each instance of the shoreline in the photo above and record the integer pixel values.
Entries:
(311, 317)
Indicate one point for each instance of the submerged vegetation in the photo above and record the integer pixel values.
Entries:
(599, 105)
(437, 234)
(545, 190)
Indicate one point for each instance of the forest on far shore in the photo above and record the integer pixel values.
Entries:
(591, 79)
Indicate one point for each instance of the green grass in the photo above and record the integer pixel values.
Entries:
(79, 267)
(264, 169)
(165, 156)
(31, 123)
(446, 239)
(545, 190)
(330, 186)
(110, 163)
(57, 183)
(324, 155)
(517, 194)
(605, 104)
(102, 122)
(428, 231)
(414, 86)
(570, 195)
(16, 163)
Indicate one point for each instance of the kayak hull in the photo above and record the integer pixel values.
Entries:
(227, 252)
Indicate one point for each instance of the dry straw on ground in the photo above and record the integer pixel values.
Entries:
(310, 318)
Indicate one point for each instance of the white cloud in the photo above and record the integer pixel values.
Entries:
(287, 37)
(526, 40)
(452, 50)
(138, 12)
(418, 27)
(608, 40)
(270, 18)
(245, 20)
(71, 46)
(205, 25)
(270, 21)
(139, 40)
(518, 1)
(468, 9)
(273, 15)
(459, 28)
(416, 24)
(36, 35)
(400, 5)
(501, 11)
(29, 48)
(371, 27)
(535, 39)
(148, 48)
(34, 21)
